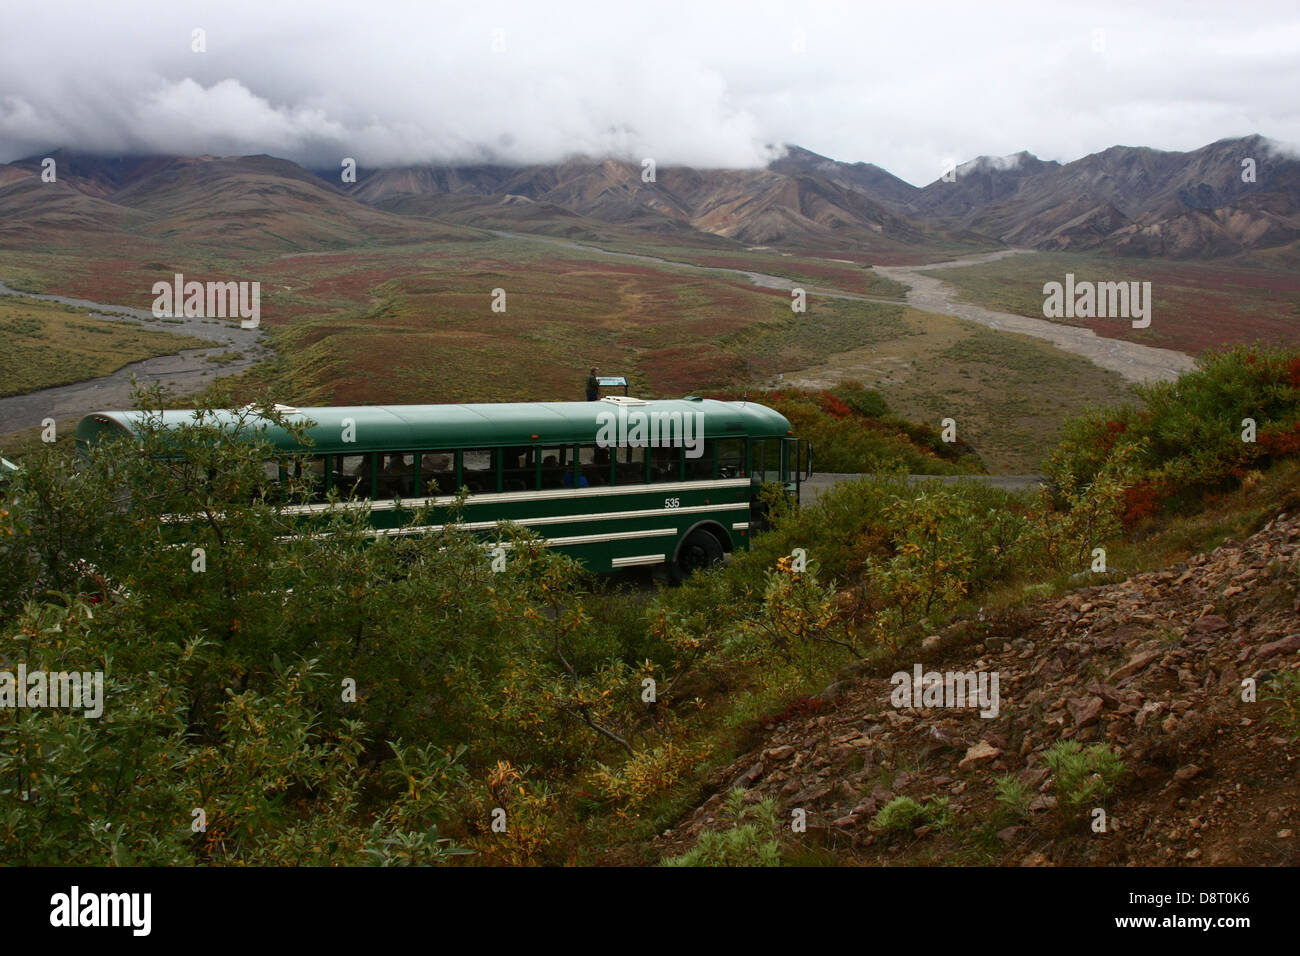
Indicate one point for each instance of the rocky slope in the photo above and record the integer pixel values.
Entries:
(1152, 666)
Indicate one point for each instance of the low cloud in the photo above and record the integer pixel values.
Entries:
(702, 83)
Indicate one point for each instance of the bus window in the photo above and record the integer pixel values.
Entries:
(700, 468)
(438, 472)
(352, 475)
(629, 465)
(478, 471)
(767, 460)
(518, 469)
(396, 477)
(731, 458)
(593, 466)
(665, 464)
(309, 473)
(555, 462)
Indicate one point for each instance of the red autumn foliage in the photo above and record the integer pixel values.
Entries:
(1114, 430)
(1140, 501)
(1282, 442)
(833, 406)
(1293, 372)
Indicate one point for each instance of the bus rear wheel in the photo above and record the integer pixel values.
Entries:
(700, 550)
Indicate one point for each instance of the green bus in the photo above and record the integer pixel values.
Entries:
(599, 480)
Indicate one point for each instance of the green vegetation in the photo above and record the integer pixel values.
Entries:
(1202, 434)
(853, 432)
(329, 699)
(1284, 688)
(225, 358)
(1084, 776)
(48, 344)
(749, 840)
(903, 814)
(1013, 797)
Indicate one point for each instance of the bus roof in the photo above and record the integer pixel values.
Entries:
(427, 427)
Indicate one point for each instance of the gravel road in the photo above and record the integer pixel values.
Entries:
(1134, 362)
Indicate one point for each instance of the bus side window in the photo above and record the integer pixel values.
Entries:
(518, 469)
(731, 458)
(593, 466)
(438, 472)
(665, 464)
(309, 473)
(556, 460)
(700, 468)
(396, 475)
(629, 467)
(352, 476)
(479, 471)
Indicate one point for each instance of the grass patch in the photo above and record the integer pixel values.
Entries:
(49, 344)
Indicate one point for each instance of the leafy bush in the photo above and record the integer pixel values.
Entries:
(311, 695)
(1185, 438)
(867, 402)
(853, 433)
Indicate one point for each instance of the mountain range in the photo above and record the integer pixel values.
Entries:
(1219, 200)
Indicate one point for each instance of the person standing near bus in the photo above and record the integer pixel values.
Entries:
(593, 386)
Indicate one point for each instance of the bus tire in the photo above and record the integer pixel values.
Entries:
(699, 550)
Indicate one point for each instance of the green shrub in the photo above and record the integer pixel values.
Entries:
(903, 814)
(1013, 797)
(1083, 776)
(749, 840)
(1285, 689)
(1185, 437)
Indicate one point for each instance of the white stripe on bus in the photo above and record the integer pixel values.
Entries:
(602, 516)
(511, 497)
(638, 560)
(550, 542)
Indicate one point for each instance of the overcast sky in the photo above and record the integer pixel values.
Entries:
(703, 82)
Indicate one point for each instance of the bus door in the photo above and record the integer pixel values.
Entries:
(769, 465)
(799, 458)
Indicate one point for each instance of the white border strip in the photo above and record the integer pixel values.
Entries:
(512, 497)
(550, 542)
(581, 518)
(637, 561)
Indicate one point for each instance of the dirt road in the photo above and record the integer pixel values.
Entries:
(1134, 362)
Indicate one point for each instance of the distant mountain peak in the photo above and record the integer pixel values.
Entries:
(1023, 159)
